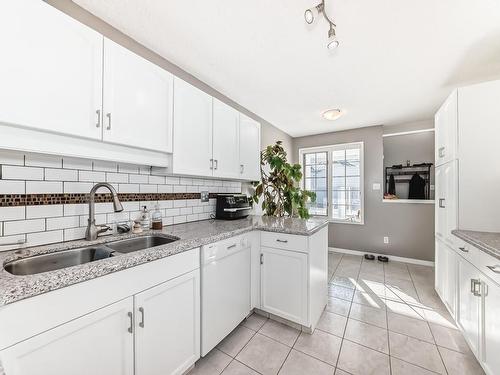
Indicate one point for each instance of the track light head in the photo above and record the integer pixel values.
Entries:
(332, 38)
(310, 16)
(311, 13)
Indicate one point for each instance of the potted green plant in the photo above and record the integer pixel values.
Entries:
(279, 185)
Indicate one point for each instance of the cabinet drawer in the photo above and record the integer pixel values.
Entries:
(284, 241)
(465, 250)
(489, 265)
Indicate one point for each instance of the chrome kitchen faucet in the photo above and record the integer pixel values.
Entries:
(92, 229)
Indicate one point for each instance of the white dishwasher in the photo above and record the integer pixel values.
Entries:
(225, 288)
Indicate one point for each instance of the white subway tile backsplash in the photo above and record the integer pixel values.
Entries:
(166, 204)
(11, 157)
(100, 219)
(63, 222)
(18, 240)
(104, 190)
(131, 206)
(117, 177)
(12, 213)
(198, 210)
(76, 209)
(128, 188)
(172, 211)
(204, 216)
(138, 179)
(144, 169)
(165, 189)
(192, 217)
(77, 187)
(156, 179)
(102, 208)
(105, 166)
(191, 189)
(10, 172)
(117, 217)
(43, 187)
(180, 203)
(186, 181)
(179, 188)
(186, 210)
(42, 238)
(198, 181)
(61, 174)
(179, 219)
(91, 176)
(12, 187)
(23, 226)
(172, 180)
(73, 163)
(148, 188)
(39, 160)
(35, 212)
(74, 233)
(167, 220)
(128, 168)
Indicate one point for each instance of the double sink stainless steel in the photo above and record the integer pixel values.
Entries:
(67, 258)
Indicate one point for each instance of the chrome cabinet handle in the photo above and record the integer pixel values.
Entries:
(463, 249)
(211, 163)
(98, 113)
(141, 323)
(131, 327)
(232, 246)
(216, 164)
(441, 152)
(495, 268)
(282, 241)
(108, 115)
(441, 203)
(261, 258)
(474, 289)
(242, 168)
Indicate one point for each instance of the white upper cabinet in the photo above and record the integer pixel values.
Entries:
(225, 140)
(138, 100)
(50, 70)
(192, 149)
(446, 124)
(447, 201)
(249, 140)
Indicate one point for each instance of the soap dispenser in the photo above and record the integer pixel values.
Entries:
(144, 218)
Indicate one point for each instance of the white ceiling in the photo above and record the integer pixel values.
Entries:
(397, 60)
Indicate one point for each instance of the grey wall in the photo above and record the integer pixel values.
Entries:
(269, 132)
(410, 227)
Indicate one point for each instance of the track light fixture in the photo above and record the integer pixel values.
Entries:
(312, 13)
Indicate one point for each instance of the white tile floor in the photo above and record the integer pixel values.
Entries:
(380, 319)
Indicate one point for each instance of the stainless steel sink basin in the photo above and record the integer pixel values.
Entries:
(139, 243)
(55, 261)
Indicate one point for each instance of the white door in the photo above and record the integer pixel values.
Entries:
(284, 284)
(192, 150)
(225, 140)
(138, 100)
(446, 124)
(249, 148)
(469, 304)
(168, 326)
(491, 357)
(50, 70)
(101, 342)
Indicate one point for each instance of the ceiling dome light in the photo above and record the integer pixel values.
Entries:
(332, 114)
(332, 38)
(311, 13)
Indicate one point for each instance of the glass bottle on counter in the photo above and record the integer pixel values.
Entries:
(156, 218)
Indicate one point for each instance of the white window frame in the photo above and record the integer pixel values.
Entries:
(329, 149)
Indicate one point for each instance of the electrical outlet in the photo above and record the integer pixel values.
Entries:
(386, 240)
(204, 196)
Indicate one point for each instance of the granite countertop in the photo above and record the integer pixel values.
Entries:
(191, 235)
(488, 242)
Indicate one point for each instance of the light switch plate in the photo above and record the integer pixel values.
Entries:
(376, 186)
(204, 196)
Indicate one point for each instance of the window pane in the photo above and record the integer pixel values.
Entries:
(353, 154)
(338, 168)
(338, 212)
(321, 158)
(353, 213)
(321, 184)
(338, 155)
(315, 171)
(338, 183)
(339, 196)
(352, 168)
(310, 159)
(353, 197)
(310, 184)
(353, 183)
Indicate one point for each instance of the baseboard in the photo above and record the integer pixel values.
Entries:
(391, 257)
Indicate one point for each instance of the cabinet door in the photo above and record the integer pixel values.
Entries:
(138, 100)
(469, 304)
(491, 358)
(447, 201)
(249, 148)
(168, 326)
(439, 264)
(98, 343)
(446, 126)
(192, 152)
(440, 194)
(50, 70)
(225, 140)
(450, 279)
(284, 284)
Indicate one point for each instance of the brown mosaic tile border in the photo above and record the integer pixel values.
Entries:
(12, 200)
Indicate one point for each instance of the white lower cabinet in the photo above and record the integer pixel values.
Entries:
(284, 284)
(469, 303)
(167, 326)
(491, 342)
(98, 343)
(446, 275)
